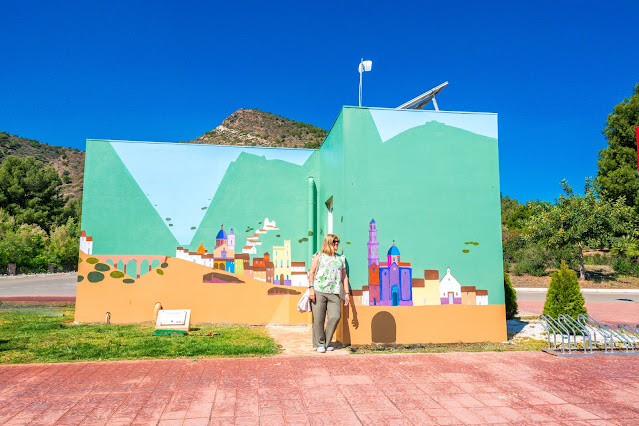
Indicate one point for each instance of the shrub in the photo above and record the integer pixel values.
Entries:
(528, 266)
(564, 254)
(625, 266)
(564, 294)
(510, 296)
(621, 266)
(597, 259)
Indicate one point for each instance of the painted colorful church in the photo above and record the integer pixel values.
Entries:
(390, 282)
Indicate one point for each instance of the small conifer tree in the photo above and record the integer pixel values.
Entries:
(510, 296)
(564, 294)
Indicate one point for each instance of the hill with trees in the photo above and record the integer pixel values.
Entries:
(67, 162)
(252, 127)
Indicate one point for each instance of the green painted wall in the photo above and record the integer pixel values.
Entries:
(431, 189)
(331, 160)
(115, 211)
(253, 189)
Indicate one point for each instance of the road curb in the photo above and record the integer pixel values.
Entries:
(583, 290)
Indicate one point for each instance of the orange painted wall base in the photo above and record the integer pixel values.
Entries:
(180, 285)
(363, 325)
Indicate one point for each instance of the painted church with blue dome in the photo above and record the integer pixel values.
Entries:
(395, 284)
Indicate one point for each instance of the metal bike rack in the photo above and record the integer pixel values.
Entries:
(631, 333)
(585, 336)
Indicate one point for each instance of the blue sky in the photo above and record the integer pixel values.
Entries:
(170, 71)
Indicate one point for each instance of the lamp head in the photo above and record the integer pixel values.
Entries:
(365, 66)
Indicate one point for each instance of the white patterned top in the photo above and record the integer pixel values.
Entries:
(328, 276)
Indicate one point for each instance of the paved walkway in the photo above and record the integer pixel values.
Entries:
(455, 388)
(296, 340)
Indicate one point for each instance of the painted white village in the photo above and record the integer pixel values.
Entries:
(390, 282)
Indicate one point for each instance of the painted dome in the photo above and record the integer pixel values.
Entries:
(393, 251)
(221, 235)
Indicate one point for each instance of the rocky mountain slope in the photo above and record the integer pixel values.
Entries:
(252, 127)
(68, 162)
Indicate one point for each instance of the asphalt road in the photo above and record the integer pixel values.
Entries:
(39, 285)
(608, 297)
(64, 285)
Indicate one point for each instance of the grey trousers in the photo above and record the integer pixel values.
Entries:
(326, 305)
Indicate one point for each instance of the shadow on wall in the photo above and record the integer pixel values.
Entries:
(383, 328)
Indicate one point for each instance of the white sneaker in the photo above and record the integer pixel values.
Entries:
(321, 349)
(330, 348)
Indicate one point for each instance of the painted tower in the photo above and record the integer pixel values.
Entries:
(221, 237)
(231, 241)
(373, 265)
(373, 245)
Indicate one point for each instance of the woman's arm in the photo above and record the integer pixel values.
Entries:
(347, 288)
(311, 278)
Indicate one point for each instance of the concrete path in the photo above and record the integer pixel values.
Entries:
(454, 388)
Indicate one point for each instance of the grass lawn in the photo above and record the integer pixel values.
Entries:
(34, 333)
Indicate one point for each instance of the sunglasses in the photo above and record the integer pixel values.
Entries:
(335, 241)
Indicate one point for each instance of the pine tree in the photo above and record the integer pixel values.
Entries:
(617, 175)
(564, 294)
(511, 298)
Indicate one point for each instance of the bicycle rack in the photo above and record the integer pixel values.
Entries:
(585, 336)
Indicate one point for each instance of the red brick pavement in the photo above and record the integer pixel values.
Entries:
(608, 313)
(454, 388)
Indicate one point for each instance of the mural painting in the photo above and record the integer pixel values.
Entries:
(229, 231)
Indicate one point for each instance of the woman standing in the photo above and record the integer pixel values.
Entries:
(328, 272)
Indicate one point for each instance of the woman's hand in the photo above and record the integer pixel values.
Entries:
(311, 294)
(347, 299)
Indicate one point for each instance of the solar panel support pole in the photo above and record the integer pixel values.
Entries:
(435, 104)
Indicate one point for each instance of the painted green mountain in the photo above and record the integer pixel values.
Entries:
(115, 211)
(253, 189)
(453, 176)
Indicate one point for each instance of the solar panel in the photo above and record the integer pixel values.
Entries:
(421, 101)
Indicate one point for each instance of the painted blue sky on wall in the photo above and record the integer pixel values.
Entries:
(180, 180)
(391, 122)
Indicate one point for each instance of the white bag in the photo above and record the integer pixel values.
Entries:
(304, 305)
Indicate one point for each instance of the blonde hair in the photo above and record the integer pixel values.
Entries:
(327, 244)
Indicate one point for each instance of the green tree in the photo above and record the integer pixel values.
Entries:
(579, 221)
(22, 244)
(508, 207)
(30, 192)
(564, 294)
(625, 247)
(511, 298)
(62, 247)
(617, 175)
